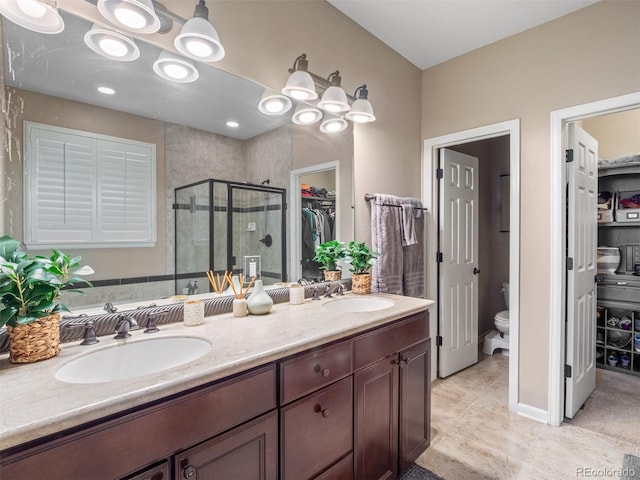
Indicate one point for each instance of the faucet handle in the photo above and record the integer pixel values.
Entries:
(90, 337)
(108, 307)
(316, 294)
(340, 290)
(152, 321)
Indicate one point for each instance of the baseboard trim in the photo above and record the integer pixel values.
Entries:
(533, 413)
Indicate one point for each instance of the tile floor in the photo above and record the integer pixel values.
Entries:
(474, 436)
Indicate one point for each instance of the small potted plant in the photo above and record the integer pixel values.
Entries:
(327, 255)
(361, 258)
(29, 299)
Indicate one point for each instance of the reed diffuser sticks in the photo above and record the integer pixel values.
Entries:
(216, 283)
(239, 292)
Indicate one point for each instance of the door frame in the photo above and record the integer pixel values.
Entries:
(295, 206)
(557, 291)
(430, 200)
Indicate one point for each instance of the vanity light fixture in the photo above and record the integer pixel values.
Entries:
(333, 123)
(198, 38)
(34, 15)
(304, 85)
(361, 110)
(300, 84)
(306, 114)
(133, 15)
(274, 103)
(110, 44)
(334, 98)
(175, 69)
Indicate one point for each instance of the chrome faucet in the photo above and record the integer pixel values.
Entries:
(125, 323)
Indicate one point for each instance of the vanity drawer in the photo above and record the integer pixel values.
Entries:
(313, 370)
(316, 431)
(374, 346)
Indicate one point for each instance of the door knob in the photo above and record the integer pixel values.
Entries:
(476, 271)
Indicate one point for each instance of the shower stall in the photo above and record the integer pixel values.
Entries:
(229, 226)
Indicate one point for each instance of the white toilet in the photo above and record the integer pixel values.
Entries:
(499, 339)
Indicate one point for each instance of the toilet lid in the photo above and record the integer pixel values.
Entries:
(503, 316)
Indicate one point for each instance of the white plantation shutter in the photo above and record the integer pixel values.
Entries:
(88, 190)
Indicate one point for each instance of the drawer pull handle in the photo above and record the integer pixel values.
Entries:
(326, 412)
(189, 471)
(325, 372)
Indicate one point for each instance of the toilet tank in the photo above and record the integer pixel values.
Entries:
(505, 292)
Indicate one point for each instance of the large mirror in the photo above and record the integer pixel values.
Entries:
(53, 80)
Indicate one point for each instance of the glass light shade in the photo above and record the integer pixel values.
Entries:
(175, 69)
(199, 40)
(273, 103)
(300, 86)
(334, 100)
(32, 15)
(112, 45)
(133, 15)
(306, 114)
(333, 124)
(361, 111)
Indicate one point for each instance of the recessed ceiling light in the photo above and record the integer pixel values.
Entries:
(233, 124)
(106, 90)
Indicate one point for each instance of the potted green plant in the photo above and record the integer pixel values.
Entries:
(361, 258)
(30, 306)
(327, 255)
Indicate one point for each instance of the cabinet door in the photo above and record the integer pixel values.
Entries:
(376, 420)
(316, 431)
(248, 452)
(415, 404)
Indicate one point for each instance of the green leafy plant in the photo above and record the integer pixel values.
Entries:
(328, 254)
(30, 285)
(360, 257)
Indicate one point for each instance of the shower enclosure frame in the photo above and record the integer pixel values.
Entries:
(229, 226)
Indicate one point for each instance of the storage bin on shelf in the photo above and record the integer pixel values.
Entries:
(606, 201)
(628, 206)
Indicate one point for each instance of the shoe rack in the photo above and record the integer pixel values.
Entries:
(617, 326)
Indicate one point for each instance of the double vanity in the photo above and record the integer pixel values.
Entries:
(331, 389)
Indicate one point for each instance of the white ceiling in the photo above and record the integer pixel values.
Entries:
(429, 32)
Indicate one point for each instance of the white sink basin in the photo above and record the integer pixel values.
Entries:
(128, 360)
(358, 304)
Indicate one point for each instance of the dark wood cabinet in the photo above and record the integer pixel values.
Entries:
(414, 402)
(391, 398)
(316, 431)
(376, 421)
(355, 408)
(248, 452)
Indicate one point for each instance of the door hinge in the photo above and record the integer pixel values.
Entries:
(568, 155)
(438, 341)
(439, 257)
(567, 371)
(439, 173)
(569, 263)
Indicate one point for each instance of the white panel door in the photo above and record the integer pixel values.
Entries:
(458, 320)
(582, 233)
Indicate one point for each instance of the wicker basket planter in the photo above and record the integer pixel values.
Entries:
(332, 275)
(361, 283)
(35, 341)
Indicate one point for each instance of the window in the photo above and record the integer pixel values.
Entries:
(87, 190)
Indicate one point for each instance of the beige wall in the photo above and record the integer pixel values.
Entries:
(589, 55)
(618, 134)
(4, 146)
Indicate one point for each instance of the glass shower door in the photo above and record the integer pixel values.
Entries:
(257, 243)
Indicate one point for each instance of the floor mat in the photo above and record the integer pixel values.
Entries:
(416, 472)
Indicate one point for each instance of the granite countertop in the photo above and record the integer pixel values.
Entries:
(33, 403)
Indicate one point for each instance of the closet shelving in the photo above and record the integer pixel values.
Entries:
(619, 294)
